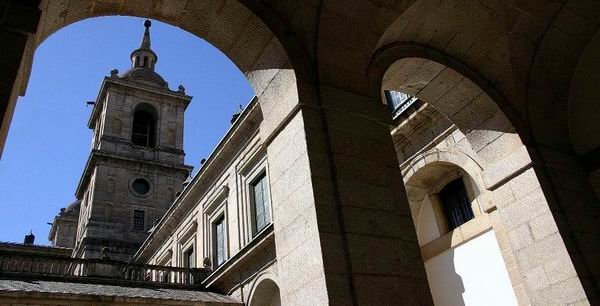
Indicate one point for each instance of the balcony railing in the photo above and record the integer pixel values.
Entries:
(44, 266)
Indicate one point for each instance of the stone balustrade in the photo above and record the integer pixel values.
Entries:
(33, 266)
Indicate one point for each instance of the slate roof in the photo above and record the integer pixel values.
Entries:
(8, 286)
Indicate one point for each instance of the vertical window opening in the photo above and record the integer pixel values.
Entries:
(143, 129)
(398, 102)
(219, 236)
(262, 215)
(188, 258)
(139, 220)
(456, 204)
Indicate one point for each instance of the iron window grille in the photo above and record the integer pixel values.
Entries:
(457, 206)
(139, 220)
(398, 102)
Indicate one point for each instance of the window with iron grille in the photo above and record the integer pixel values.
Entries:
(457, 206)
(219, 240)
(260, 203)
(398, 102)
(139, 220)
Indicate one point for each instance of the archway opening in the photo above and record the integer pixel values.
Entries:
(143, 130)
(432, 210)
(458, 248)
(252, 50)
(266, 293)
(459, 118)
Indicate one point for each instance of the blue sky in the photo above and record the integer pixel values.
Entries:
(48, 142)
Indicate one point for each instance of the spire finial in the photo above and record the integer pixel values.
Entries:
(144, 57)
(146, 38)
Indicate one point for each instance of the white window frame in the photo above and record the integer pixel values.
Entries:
(185, 257)
(186, 239)
(262, 172)
(248, 172)
(213, 226)
(212, 211)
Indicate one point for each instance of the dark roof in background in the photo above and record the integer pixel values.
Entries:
(34, 249)
(71, 290)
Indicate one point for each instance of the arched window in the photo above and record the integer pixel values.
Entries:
(455, 201)
(144, 126)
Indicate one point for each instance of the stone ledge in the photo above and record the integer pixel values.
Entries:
(460, 235)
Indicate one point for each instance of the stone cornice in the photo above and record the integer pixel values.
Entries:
(129, 144)
(110, 81)
(96, 154)
(185, 201)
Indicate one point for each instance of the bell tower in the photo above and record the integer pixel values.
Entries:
(136, 165)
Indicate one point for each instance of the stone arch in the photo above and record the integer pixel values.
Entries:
(147, 107)
(432, 169)
(455, 90)
(583, 120)
(445, 249)
(553, 70)
(260, 51)
(265, 291)
(251, 35)
(427, 71)
(582, 111)
(233, 27)
(493, 129)
(477, 34)
(461, 159)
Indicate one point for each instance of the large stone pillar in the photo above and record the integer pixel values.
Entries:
(343, 230)
(575, 208)
(18, 20)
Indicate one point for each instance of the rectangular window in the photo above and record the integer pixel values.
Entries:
(262, 214)
(139, 220)
(188, 258)
(398, 102)
(456, 204)
(219, 244)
